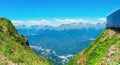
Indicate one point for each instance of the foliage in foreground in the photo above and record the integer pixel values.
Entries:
(14, 49)
(105, 50)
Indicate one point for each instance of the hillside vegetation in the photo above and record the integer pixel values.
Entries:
(14, 49)
(105, 50)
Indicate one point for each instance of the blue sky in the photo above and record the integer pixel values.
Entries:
(62, 9)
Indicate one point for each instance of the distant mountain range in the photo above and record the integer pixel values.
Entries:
(64, 40)
(65, 26)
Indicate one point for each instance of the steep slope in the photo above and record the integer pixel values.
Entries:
(14, 49)
(105, 50)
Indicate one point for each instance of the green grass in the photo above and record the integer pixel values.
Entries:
(98, 50)
(13, 47)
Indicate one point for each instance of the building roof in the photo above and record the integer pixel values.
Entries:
(118, 10)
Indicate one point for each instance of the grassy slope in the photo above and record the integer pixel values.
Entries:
(13, 49)
(105, 50)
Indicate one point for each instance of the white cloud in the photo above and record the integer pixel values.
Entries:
(102, 19)
(37, 22)
(30, 22)
(68, 21)
(55, 21)
(17, 22)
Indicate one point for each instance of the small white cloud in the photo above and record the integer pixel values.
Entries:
(17, 22)
(102, 19)
(31, 22)
(37, 22)
(68, 21)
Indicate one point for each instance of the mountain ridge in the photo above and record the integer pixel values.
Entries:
(64, 26)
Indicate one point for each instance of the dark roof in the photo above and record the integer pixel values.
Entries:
(118, 10)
